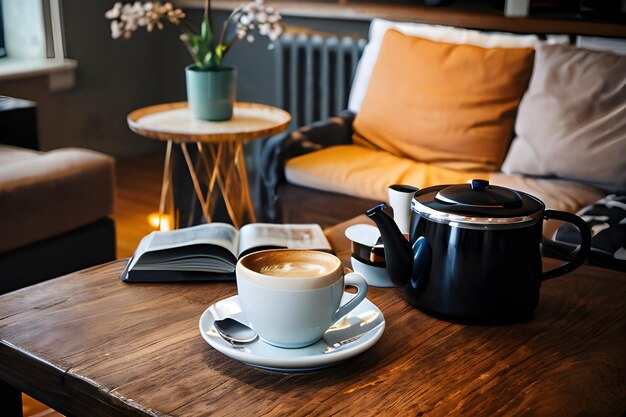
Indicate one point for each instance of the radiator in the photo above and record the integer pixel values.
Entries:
(314, 74)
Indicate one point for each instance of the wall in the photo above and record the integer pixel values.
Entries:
(115, 77)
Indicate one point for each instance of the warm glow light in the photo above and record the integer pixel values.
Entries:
(163, 223)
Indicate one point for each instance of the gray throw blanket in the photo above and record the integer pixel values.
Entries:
(279, 149)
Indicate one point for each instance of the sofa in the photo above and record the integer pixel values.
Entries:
(434, 105)
(55, 213)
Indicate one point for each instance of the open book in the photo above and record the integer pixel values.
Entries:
(210, 251)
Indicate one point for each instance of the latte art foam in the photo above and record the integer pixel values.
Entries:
(290, 269)
(295, 269)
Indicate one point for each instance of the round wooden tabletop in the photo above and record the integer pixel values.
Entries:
(174, 121)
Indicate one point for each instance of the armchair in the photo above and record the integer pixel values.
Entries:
(55, 212)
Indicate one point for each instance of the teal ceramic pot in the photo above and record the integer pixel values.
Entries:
(211, 93)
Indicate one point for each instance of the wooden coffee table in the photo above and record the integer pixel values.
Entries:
(89, 344)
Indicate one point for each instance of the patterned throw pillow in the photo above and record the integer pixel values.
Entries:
(607, 221)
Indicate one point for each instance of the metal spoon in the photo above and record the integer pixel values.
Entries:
(237, 333)
(234, 332)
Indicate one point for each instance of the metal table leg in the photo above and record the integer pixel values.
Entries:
(223, 171)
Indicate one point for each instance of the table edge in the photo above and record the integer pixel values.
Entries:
(134, 116)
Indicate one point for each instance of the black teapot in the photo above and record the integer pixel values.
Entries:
(474, 252)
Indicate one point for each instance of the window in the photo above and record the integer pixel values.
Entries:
(3, 51)
(32, 38)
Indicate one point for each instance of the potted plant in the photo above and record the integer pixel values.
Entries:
(211, 86)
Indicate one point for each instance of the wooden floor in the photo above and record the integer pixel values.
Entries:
(137, 194)
(138, 189)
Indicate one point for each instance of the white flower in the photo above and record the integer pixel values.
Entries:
(245, 20)
(246, 8)
(275, 32)
(135, 9)
(143, 20)
(116, 29)
(264, 29)
(254, 15)
(242, 31)
(130, 27)
(114, 13)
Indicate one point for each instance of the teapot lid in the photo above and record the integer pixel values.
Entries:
(478, 203)
(479, 193)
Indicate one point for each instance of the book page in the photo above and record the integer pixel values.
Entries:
(215, 260)
(291, 236)
(220, 234)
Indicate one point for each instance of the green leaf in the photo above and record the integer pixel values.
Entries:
(206, 32)
(200, 46)
(207, 59)
(190, 39)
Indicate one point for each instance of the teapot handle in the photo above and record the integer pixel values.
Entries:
(580, 253)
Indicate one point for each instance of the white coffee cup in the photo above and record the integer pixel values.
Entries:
(291, 297)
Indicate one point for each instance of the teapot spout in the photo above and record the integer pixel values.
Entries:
(398, 252)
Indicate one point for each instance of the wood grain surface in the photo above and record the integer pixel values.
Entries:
(89, 344)
(174, 121)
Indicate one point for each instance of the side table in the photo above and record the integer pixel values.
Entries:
(220, 164)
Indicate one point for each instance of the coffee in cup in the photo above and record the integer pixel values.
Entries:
(291, 297)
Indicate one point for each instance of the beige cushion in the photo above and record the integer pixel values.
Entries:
(47, 194)
(366, 173)
(12, 154)
(572, 121)
(556, 194)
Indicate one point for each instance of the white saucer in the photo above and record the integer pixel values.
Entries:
(374, 275)
(365, 234)
(262, 355)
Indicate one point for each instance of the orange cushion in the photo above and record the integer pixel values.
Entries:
(366, 173)
(449, 104)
